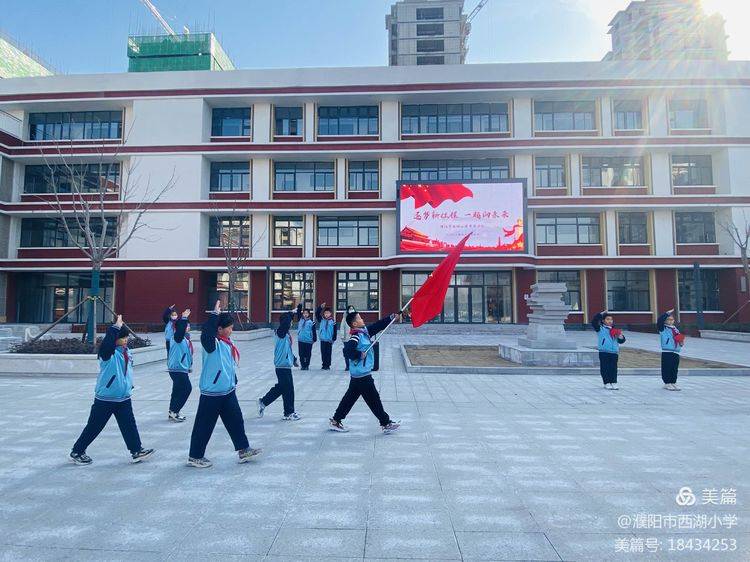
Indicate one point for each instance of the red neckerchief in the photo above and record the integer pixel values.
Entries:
(127, 358)
(174, 325)
(675, 331)
(190, 343)
(235, 351)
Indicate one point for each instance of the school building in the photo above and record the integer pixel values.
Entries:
(633, 170)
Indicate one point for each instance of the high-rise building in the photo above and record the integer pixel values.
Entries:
(15, 62)
(424, 32)
(190, 51)
(667, 29)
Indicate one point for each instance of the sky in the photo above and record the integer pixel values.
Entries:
(90, 36)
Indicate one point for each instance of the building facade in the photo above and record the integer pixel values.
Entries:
(16, 62)
(632, 169)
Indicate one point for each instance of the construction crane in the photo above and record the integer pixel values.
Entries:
(476, 10)
(163, 22)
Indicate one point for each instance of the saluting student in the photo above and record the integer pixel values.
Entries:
(327, 332)
(361, 383)
(218, 385)
(307, 336)
(671, 345)
(179, 365)
(344, 332)
(608, 340)
(169, 317)
(283, 361)
(112, 397)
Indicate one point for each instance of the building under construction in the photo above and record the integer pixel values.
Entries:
(189, 51)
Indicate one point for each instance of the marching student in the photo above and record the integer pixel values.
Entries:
(169, 317)
(306, 336)
(344, 331)
(179, 365)
(361, 382)
(327, 332)
(218, 385)
(608, 340)
(671, 345)
(112, 397)
(283, 361)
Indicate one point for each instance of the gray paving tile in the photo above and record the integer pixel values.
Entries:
(319, 543)
(427, 544)
(505, 546)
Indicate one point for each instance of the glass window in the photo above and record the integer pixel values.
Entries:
(430, 45)
(564, 116)
(288, 231)
(230, 122)
(429, 13)
(427, 29)
(348, 231)
(692, 170)
(219, 290)
(686, 289)
(567, 229)
(348, 120)
(572, 280)
(51, 233)
(235, 229)
(612, 171)
(628, 115)
(430, 59)
(433, 170)
(550, 172)
(454, 118)
(364, 175)
(628, 291)
(688, 114)
(230, 176)
(292, 287)
(76, 125)
(695, 228)
(288, 121)
(632, 228)
(47, 297)
(304, 176)
(72, 178)
(359, 289)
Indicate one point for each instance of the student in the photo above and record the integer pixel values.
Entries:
(361, 382)
(307, 336)
(344, 331)
(671, 345)
(608, 340)
(283, 361)
(112, 397)
(218, 385)
(327, 332)
(179, 365)
(169, 317)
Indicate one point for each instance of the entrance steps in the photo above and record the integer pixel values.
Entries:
(459, 329)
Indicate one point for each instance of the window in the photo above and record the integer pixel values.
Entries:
(348, 231)
(348, 120)
(50, 232)
(686, 289)
(628, 291)
(632, 228)
(230, 122)
(430, 45)
(628, 115)
(564, 116)
(692, 170)
(291, 287)
(219, 290)
(288, 231)
(73, 178)
(304, 176)
(288, 121)
(688, 114)
(427, 170)
(236, 229)
(76, 125)
(430, 59)
(695, 228)
(46, 297)
(612, 171)
(429, 13)
(550, 172)
(572, 280)
(230, 176)
(454, 118)
(426, 29)
(359, 289)
(364, 175)
(567, 229)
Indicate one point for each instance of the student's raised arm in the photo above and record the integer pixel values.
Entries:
(596, 321)
(208, 333)
(380, 325)
(181, 327)
(167, 315)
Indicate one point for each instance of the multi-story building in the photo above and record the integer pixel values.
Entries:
(632, 168)
(16, 62)
(667, 29)
(427, 32)
(188, 51)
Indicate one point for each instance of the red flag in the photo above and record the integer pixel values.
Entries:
(434, 194)
(428, 300)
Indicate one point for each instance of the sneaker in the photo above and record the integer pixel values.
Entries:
(176, 417)
(294, 416)
(614, 386)
(674, 386)
(335, 425)
(390, 427)
(142, 455)
(606, 386)
(667, 386)
(199, 463)
(261, 407)
(81, 458)
(246, 455)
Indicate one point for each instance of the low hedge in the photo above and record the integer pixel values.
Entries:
(72, 346)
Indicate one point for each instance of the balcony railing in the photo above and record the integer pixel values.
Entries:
(10, 124)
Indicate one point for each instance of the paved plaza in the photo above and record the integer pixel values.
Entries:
(485, 467)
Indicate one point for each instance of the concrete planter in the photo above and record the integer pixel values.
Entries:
(724, 335)
(252, 335)
(53, 364)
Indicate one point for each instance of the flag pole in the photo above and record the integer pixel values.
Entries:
(377, 337)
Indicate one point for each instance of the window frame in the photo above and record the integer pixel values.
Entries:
(241, 287)
(240, 171)
(286, 230)
(299, 120)
(627, 112)
(307, 293)
(559, 108)
(372, 279)
(708, 299)
(549, 170)
(455, 118)
(626, 167)
(702, 111)
(359, 116)
(629, 228)
(690, 166)
(217, 226)
(366, 169)
(576, 307)
(54, 231)
(555, 227)
(683, 226)
(66, 125)
(294, 172)
(40, 175)
(362, 231)
(245, 128)
(632, 292)
(445, 170)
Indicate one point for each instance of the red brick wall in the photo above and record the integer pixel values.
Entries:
(258, 297)
(596, 298)
(10, 298)
(730, 296)
(145, 294)
(324, 288)
(666, 290)
(525, 278)
(390, 285)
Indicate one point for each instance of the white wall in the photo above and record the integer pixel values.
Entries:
(172, 235)
(152, 173)
(166, 121)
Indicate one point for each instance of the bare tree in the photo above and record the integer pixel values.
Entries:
(740, 235)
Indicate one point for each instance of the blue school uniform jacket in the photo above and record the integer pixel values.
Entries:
(180, 358)
(115, 380)
(327, 327)
(306, 330)
(219, 372)
(169, 326)
(605, 342)
(666, 335)
(283, 356)
(359, 341)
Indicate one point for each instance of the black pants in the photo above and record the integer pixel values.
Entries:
(284, 388)
(166, 343)
(670, 363)
(376, 354)
(346, 361)
(210, 408)
(101, 411)
(305, 352)
(181, 389)
(608, 366)
(364, 387)
(325, 353)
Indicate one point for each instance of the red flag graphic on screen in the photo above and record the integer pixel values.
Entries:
(434, 194)
(428, 300)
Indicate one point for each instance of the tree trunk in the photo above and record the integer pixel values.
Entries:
(94, 292)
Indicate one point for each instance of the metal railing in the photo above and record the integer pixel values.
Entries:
(10, 124)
